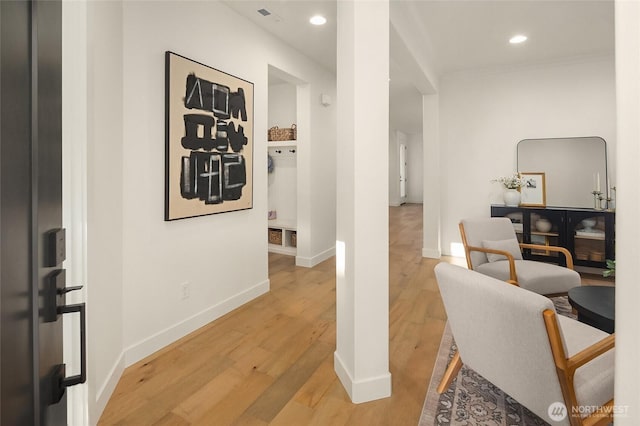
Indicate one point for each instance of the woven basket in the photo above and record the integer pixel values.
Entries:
(275, 236)
(294, 239)
(286, 134)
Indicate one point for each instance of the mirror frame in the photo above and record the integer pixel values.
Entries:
(606, 162)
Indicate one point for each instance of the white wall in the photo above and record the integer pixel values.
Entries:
(282, 105)
(483, 115)
(283, 186)
(105, 151)
(135, 260)
(627, 392)
(321, 149)
(415, 168)
(224, 256)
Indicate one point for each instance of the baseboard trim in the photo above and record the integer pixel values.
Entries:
(361, 391)
(310, 262)
(146, 347)
(106, 390)
(431, 253)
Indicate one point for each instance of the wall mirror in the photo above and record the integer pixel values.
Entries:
(571, 166)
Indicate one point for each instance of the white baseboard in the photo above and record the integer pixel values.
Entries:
(395, 203)
(431, 253)
(146, 347)
(310, 262)
(363, 390)
(106, 390)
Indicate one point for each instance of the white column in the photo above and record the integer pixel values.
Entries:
(362, 246)
(431, 155)
(627, 36)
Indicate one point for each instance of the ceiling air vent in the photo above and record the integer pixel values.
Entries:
(264, 12)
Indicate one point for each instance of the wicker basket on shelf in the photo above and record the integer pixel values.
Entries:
(275, 236)
(285, 134)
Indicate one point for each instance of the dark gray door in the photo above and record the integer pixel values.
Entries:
(30, 209)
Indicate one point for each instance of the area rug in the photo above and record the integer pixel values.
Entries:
(472, 400)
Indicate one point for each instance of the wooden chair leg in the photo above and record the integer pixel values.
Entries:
(452, 371)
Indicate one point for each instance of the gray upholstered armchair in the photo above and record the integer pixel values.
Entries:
(492, 248)
(515, 340)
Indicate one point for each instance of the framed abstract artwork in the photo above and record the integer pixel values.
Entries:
(208, 140)
(534, 192)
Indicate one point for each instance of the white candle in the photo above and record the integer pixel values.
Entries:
(598, 182)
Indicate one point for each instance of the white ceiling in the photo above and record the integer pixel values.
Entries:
(458, 35)
(289, 21)
(474, 34)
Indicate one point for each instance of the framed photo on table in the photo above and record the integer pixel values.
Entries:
(533, 192)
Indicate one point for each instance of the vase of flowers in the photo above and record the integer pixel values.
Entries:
(512, 185)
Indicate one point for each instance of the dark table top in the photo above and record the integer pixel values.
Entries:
(597, 302)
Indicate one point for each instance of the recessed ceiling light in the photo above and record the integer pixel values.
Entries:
(516, 39)
(318, 20)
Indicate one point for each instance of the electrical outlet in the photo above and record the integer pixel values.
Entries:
(185, 290)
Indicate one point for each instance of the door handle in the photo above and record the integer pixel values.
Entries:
(68, 289)
(59, 380)
(55, 305)
(82, 377)
(55, 295)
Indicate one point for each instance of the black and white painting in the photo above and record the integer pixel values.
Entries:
(209, 140)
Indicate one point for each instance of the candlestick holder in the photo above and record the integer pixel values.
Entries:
(609, 204)
(597, 200)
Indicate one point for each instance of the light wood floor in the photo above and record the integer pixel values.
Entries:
(271, 361)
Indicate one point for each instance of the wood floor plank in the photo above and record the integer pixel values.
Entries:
(312, 392)
(293, 414)
(235, 402)
(196, 405)
(270, 402)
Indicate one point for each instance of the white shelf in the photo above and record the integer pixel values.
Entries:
(590, 237)
(545, 234)
(288, 237)
(275, 144)
(282, 224)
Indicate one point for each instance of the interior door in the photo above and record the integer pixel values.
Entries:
(403, 173)
(32, 279)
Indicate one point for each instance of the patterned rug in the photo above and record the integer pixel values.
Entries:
(472, 400)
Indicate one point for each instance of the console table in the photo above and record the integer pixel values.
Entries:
(588, 234)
